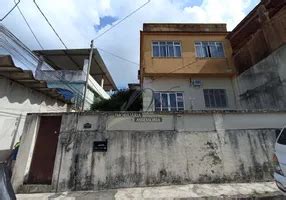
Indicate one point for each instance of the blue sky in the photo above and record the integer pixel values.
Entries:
(188, 3)
(77, 22)
(104, 21)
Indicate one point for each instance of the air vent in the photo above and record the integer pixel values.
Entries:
(196, 83)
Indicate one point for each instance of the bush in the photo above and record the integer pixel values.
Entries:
(123, 100)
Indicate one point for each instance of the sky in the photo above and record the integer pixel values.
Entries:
(79, 21)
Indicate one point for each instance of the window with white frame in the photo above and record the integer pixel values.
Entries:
(169, 101)
(166, 49)
(215, 98)
(209, 49)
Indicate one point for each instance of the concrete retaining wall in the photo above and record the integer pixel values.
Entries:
(263, 85)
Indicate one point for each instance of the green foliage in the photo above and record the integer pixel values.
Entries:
(123, 100)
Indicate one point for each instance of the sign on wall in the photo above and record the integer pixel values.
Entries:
(131, 114)
(148, 119)
(99, 146)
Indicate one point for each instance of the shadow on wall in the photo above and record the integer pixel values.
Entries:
(16, 93)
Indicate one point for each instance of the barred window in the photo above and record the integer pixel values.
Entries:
(166, 49)
(215, 98)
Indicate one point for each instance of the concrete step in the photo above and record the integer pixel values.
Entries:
(242, 191)
(35, 188)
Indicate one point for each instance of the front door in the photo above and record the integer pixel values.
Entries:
(42, 166)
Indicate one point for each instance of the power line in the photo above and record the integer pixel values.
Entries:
(17, 41)
(58, 38)
(27, 63)
(6, 15)
(57, 75)
(28, 25)
(17, 52)
(184, 66)
(120, 21)
(50, 24)
(98, 36)
(117, 56)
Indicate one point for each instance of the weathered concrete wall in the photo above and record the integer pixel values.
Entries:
(198, 147)
(178, 150)
(63, 75)
(164, 157)
(263, 85)
(16, 101)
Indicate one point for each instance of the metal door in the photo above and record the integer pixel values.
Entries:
(42, 166)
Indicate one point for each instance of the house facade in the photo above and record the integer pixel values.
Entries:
(36, 82)
(21, 93)
(63, 69)
(186, 67)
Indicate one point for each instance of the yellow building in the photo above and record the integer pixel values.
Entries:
(186, 67)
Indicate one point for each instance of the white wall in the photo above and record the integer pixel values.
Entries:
(193, 97)
(93, 90)
(15, 102)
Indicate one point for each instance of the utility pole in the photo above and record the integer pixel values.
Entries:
(87, 74)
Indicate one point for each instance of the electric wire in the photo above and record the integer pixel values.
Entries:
(50, 24)
(17, 52)
(29, 26)
(8, 13)
(17, 41)
(117, 56)
(52, 28)
(76, 91)
(20, 44)
(57, 74)
(183, 66)
(123, 19)
(65, 44)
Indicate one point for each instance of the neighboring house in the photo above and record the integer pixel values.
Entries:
(70, 74)
(259, 54)
(64, 70)
(20, 94)
(24, 89)
(186, 67)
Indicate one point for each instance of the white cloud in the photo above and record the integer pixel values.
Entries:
(74, 20)
(224, 11)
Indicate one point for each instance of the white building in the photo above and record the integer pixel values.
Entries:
(20, 94)
(70, 74)
(34, 82)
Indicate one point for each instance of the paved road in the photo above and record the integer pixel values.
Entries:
(265, 191)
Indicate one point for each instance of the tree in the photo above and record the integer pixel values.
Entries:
(123, 100)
